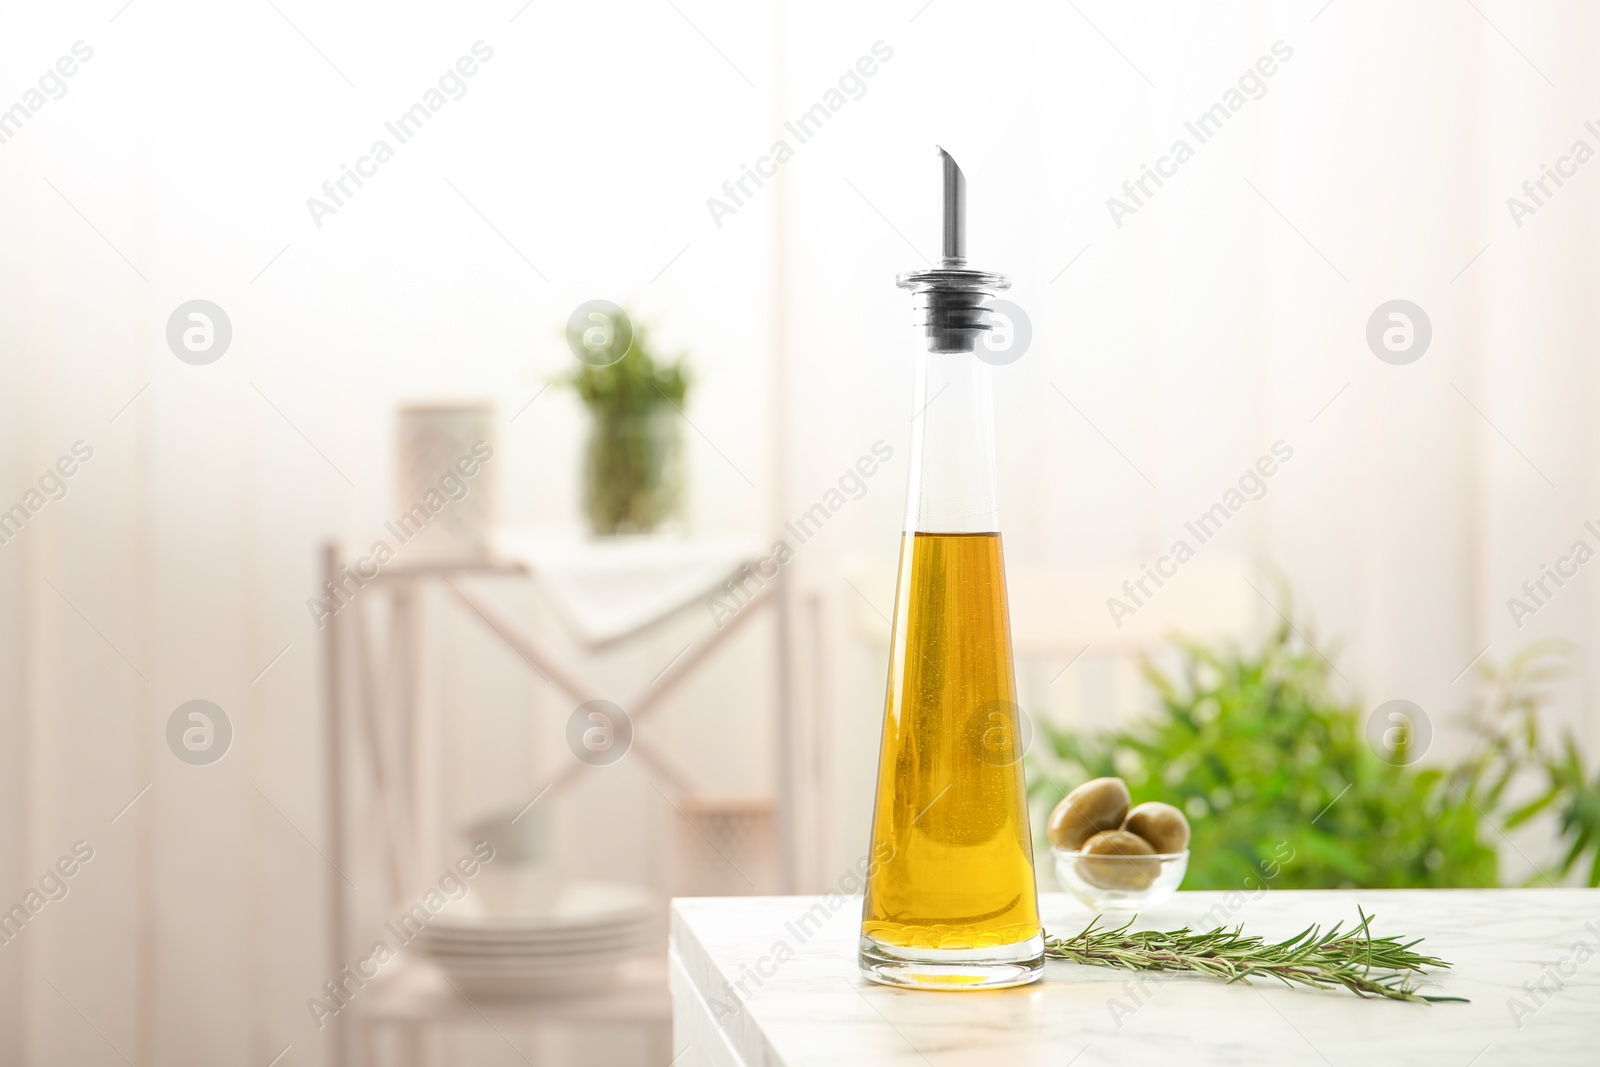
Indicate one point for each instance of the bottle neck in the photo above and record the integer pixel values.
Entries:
(952, 445)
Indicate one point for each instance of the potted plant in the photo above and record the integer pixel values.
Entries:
(1274, 771)
(633, 467)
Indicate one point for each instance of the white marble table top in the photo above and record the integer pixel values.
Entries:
(756, 985)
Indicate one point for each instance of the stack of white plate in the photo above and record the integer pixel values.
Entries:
(573, 943)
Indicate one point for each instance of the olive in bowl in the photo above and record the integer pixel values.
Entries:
(1162, 825)
(1093, 807)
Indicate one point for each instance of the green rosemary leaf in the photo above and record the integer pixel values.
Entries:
(1367, 966)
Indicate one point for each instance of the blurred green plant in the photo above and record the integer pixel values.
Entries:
(1279, 783)
(632, 466)
(1510, 749)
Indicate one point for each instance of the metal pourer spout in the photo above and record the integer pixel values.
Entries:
(955, 212)
(953, 300)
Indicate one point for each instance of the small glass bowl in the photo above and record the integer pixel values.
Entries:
(1120, 883)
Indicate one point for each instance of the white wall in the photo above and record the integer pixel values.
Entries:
(1195, 335)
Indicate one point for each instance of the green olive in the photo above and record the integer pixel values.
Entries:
(1115, 859)
(1096, 805)
(1160, 824)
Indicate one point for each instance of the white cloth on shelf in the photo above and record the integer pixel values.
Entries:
(608, 589)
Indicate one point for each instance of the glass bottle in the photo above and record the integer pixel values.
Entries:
(951, 901)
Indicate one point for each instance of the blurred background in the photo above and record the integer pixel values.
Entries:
(231, 369)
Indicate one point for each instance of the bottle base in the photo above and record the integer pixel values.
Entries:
(953, 969)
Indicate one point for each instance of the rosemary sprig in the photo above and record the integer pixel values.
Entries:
(1367, 966)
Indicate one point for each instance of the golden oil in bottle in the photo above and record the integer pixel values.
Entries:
(958, 869)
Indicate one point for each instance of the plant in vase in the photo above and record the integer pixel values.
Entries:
(633, 471)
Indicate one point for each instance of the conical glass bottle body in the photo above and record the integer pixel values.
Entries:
(951, 900)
